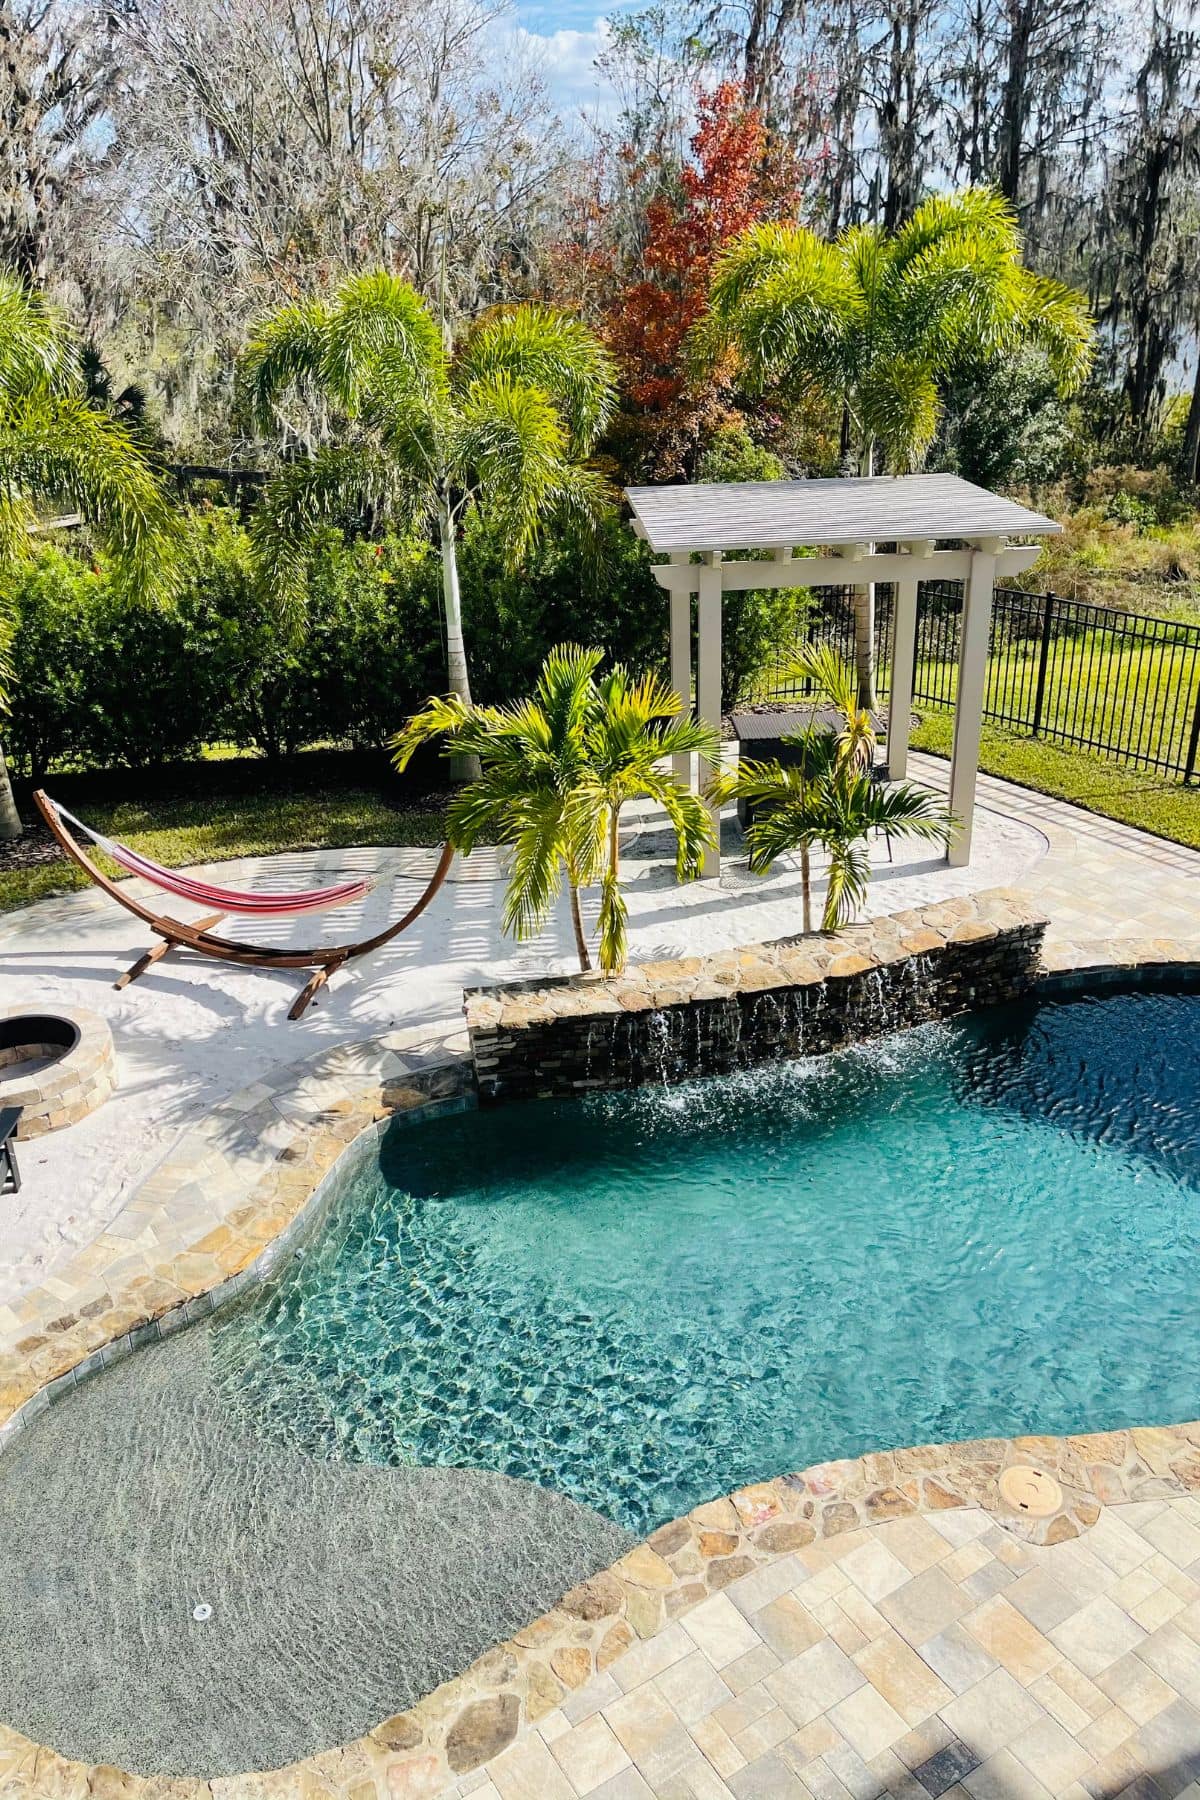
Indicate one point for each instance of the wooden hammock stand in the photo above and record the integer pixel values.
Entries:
(324, 960)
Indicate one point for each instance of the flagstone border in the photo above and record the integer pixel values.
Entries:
(227, 1201)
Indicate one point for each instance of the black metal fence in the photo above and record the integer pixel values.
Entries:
(1116, 683)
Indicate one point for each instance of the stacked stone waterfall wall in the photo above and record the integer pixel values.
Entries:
(668, 1021)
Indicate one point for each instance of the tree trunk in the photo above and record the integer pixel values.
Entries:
(1191, 436)
(585, 961)
(1014, 102)
(864, 616)
(806, 885)
(462, 768)
(10, 819)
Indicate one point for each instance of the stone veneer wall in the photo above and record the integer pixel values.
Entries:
(668, 1021)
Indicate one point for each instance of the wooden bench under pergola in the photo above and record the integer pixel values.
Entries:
(838, 524)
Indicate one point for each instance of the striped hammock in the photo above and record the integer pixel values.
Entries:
(203, 893)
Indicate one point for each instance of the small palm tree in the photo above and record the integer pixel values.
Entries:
(877, 322)
(57, 447)
(395, 425)
(828, 678)
(827, 799)
(555, 772)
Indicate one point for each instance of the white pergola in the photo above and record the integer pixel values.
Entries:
(839, 523)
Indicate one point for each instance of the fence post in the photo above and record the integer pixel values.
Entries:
(1189, 767)
(1043, 660)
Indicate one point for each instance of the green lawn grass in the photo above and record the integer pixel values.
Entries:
(1151, 802)
(1142, 699)
(180, 830)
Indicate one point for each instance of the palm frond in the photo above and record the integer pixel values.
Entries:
(613, 923)
(381, 334)
(37, 350)
(690, 821)
(335, 482)
(899, 406)
(1057, 318)
(285, 353)
(846, 881)
(544, 348)
(535, 880)
(8, 631)
(60, 446)
(510, 446)
(785, 317)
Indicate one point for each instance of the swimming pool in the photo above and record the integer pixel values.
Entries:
(644, 1300)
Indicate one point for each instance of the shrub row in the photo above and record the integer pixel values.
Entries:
(102, 683)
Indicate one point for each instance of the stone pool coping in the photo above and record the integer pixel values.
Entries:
(225, 1201)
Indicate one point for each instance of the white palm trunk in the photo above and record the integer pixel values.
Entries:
(457, 673)
(864, 614)
(458, 676)
(10, 819)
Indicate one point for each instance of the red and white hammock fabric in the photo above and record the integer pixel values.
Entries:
(203, 893)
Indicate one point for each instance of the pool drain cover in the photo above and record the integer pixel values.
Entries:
(202, 1613)
(1030, 1491)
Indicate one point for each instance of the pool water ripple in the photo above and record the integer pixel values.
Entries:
(644, 1300)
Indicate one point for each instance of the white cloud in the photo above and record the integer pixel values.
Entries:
(566, 58)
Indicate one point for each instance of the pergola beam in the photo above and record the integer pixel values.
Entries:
(681, 660)
(839, 571)
(969, 696)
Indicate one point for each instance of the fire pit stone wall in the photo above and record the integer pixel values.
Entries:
(75, 1070)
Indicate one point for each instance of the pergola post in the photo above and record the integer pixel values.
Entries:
(708, 684)
(904, 650)
(968, 700)
(681, 661)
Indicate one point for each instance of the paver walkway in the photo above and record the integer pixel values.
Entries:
(926, 1656)
(1100, 880)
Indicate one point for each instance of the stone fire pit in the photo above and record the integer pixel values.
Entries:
(58, 1066)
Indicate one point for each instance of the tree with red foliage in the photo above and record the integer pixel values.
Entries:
(737, 175)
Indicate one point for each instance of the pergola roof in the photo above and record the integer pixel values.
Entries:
(755, 515)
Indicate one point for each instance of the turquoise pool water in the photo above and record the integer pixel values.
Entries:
(645, 1300)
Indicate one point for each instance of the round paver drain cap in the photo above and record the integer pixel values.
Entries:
(1030, 1491)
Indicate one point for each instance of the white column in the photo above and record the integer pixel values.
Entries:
(904, 645)
(681, 661)
(708, 683)
(968, 706)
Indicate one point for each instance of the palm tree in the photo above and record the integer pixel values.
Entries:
(827, 799)
(876, 323)
(56, 448)
(555, 772)
(396, 426)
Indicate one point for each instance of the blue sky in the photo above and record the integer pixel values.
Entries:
(565, 36)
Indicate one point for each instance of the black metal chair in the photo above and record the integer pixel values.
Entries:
(10, 1174)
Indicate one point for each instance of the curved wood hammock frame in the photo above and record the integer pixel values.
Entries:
(176, 934)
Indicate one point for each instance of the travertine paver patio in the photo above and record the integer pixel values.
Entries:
(926, 1656)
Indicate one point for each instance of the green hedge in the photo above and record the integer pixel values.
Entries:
(101, 683)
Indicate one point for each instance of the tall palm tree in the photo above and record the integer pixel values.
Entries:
(555, 771)
(393, 424)
(877, 322)
(57, 448)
